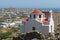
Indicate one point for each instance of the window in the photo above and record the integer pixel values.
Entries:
(34, 16)
(33, 28)
(39, 16)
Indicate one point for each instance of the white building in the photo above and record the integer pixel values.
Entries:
(42, 21)
(11, 24)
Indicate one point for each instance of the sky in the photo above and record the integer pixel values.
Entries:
(30, 3)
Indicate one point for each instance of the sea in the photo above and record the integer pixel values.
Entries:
(53, 9)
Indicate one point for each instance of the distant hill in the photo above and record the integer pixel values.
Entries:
(54, 9)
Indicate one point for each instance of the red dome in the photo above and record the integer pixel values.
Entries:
(37, 12)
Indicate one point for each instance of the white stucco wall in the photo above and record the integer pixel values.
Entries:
(32, 23)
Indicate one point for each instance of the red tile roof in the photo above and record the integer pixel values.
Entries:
(45, 20)
(25, 19)
(37, 11)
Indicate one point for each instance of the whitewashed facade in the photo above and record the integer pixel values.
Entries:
(36, 22)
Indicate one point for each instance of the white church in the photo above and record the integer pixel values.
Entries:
(41, 20)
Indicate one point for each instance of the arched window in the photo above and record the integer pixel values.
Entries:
(33, 28)
(34, 16)
(39, 16)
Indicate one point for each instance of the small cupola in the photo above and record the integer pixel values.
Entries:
(36, 14)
